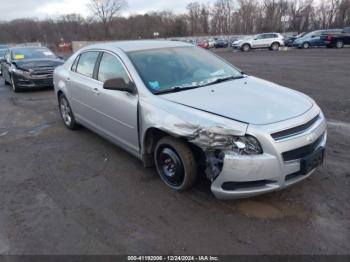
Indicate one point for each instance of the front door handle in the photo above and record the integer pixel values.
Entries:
(96, 91)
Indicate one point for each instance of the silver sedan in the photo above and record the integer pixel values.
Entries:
(189, 113)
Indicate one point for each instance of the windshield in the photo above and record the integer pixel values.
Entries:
(182, 67)
(32, 53)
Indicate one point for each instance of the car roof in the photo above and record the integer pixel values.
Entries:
(138, 45)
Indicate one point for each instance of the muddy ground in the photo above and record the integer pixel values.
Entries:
(64, 192)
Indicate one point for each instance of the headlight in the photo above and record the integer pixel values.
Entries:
(246, 145)
(17, 71)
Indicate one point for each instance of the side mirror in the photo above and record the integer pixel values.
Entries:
(119, 84)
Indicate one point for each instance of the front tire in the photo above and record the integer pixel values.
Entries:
(245, 48)
(14, 86)
(67, 113)
(306, 45)
(175, 163)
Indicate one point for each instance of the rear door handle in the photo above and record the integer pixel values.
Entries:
(96, 91)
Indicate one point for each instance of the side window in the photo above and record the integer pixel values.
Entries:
(259, 37)
(87, 63)
(110, 68)
(75, 64)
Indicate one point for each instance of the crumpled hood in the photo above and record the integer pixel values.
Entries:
(240, 41)
(35, 63)
(250, 100)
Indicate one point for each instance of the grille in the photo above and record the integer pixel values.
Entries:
(295, 130)
(43, 82)
(302, 151)
(231, 186)
(42, 71)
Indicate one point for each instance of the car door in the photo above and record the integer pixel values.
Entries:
(315, 39)
(268, 39)
(82, 88)
(258, 41)
(117, 110)
(6, 65)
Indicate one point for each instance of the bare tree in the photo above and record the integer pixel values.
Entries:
(106, 10)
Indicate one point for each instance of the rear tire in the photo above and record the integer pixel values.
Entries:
(67, 113)
(339, 44)
(245, 48)
(175, 163)
(275, 46)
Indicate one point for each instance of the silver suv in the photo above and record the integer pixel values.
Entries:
(273, 41)
(190, 113)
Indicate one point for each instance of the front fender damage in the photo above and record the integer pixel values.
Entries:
(209, 132)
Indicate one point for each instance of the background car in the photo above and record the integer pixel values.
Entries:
(29, 67)
(2, 56)
(203, 44)
(221, 43)
(289, 41)
(273, 41)
(337, 40)
(313, 39)
(211, 43)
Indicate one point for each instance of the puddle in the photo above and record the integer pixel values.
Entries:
(263, 210)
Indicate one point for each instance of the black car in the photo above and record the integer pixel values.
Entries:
(220, 43)
(290, 40)
(29, 67)
(337, 40)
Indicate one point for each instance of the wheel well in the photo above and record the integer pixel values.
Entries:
(153, 135)
(275, 43)
(59, 93)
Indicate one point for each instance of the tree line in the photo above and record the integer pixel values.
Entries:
(220, 17)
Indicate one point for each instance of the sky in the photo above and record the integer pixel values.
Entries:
(13, 9)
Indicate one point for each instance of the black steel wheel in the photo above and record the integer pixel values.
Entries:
(175, 163)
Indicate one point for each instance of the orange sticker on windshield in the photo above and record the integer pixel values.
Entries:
(17, 57)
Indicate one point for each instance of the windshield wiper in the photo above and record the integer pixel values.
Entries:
(175, 89)
(223, 79)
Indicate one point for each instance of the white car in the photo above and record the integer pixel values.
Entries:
(273, 41)
(211, 43)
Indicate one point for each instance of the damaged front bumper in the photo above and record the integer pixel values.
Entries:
(245, 176)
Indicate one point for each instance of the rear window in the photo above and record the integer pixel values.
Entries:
(86, 64)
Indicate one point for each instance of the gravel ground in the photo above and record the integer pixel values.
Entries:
(64, 192)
